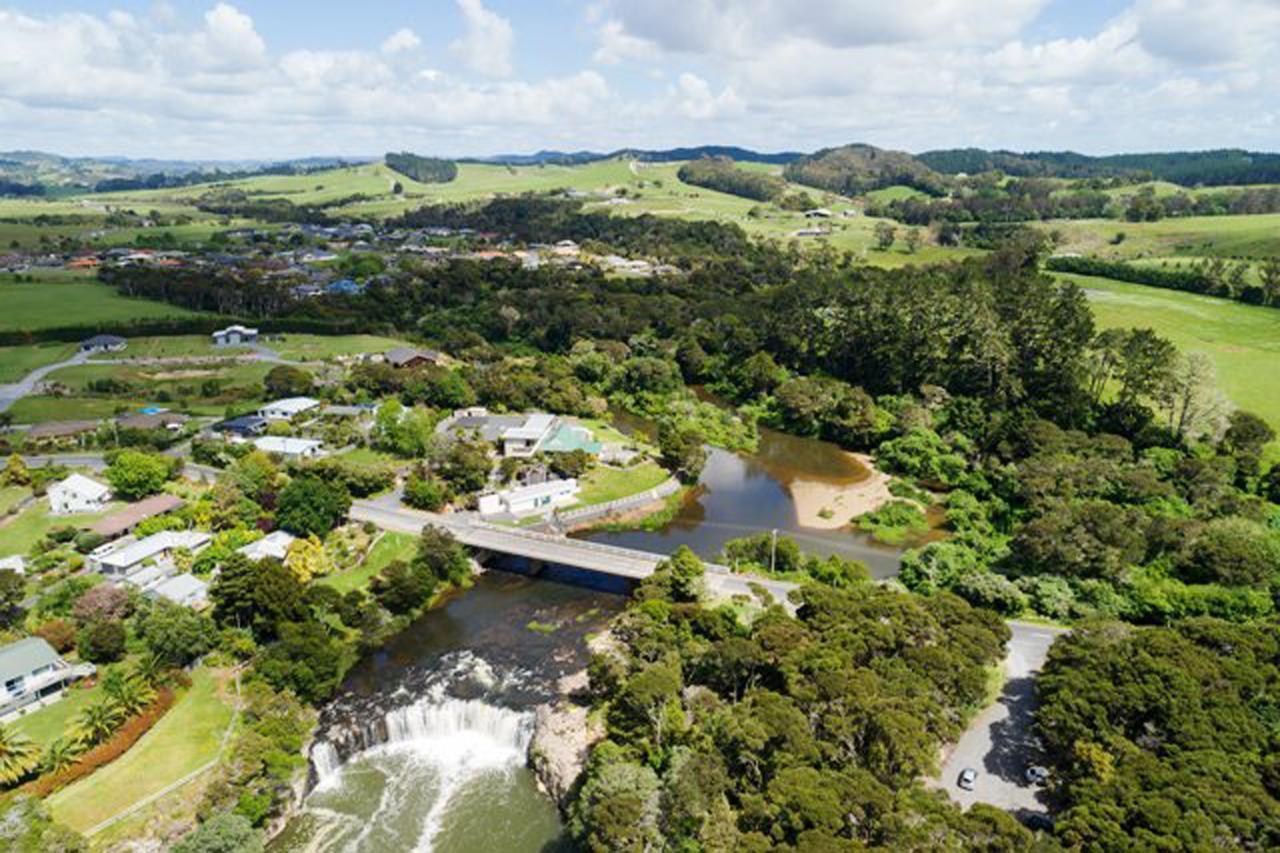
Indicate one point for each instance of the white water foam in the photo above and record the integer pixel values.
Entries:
(457, 739)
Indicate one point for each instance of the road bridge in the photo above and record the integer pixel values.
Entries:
(559, 550)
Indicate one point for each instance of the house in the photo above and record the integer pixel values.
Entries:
(17, 563)
(78, 493)
(103, 343)
(288, 408)
(817, 213)
(530, 499)
(124, 521)
(289, 447)
(127, 555)
(525, 439)
(184, 589)
(243, 427)
(410, 357)
(275, 546)
(521, 435)
(344, 287)
(52, 430)
(565, 249)
(32, 673)
(236, 335)
(172, 421)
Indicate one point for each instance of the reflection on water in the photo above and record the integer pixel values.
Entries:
(740, 494)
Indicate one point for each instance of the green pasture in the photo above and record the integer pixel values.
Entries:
(53, 302)
(1243, 340)
(17, 362)
(1256, 236)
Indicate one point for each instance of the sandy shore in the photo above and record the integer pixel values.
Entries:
(840, 502)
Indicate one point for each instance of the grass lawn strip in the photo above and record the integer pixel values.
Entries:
(387, 549)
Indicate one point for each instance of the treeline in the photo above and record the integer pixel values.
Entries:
(722, 175)
(1188, 168)
(19, 189)
(167, 180)
(424, 170)
(779, 732)
(1212, 276)
(1031, 199)
(238, 203)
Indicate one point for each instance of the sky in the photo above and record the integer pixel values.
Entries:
(271, 79)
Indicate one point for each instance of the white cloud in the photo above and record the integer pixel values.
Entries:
(695, 100)
(402, 40)
(486, 45)
(1210, 32)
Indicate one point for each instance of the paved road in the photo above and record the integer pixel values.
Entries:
(999, 742)
(12, 393)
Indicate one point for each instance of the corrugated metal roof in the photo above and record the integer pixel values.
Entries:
(25, 657)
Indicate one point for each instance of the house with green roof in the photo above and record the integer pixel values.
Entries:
(32, 674)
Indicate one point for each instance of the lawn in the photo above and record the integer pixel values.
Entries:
(17, 362)
(187, 737)
(53, 721)
(58, 302)
(30, 526)
(1243, 340)
(175, 346)
(389, 548)
(11, 496)
(601, 484)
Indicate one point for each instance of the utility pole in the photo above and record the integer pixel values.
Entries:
(773, 551)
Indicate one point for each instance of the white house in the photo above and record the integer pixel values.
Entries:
(187, 590)
(78, 493)
(274, 545)
(31, 672)
(530, 499)
(283, 410)
(234, 336)
(126, 555)
(15, 563)
(291, 448)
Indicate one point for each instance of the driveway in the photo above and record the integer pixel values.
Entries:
(999, 743)
(10, 394)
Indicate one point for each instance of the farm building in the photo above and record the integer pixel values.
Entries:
(78, 493)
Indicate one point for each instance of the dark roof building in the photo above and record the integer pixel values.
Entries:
(131, 516)
(244, 426)
(103, 343)
(410, 357)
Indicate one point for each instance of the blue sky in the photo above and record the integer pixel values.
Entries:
(232, 79)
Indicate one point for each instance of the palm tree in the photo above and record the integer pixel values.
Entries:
(129, 695)
(59, 754)
(151, 669)
(18, 756)
(97, 722)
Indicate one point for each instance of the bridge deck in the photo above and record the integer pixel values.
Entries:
(593, 556)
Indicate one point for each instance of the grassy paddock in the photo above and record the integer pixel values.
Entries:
(30, 526)
(1243, 340)
(30, 306)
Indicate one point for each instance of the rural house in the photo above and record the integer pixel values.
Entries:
(76, 494)
(290, 407)
(235, 336)
(103, 343)
(275, 546)
(124, 521)
(32, 673)
(409, 357)
(288, 447)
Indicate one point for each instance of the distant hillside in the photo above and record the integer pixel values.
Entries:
(858, 169)
(665, 155)
(1223, 167)
(723, 175)
(424, 170)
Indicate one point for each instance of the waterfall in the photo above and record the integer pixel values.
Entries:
(326, 761)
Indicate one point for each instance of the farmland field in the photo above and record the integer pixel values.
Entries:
(1218, 236)
(1242, 340)
(17, 362)
(29, 306)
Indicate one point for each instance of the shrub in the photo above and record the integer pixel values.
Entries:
(58, 633)
(102, 642)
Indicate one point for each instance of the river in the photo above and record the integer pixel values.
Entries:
(739, 494)
(425, 747)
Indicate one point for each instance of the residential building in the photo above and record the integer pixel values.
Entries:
(290, 407)
(243, 427)
(124, 521)
(410, 357)
(126, 555)
(275, 545)
(187, 590)
(52, 431)
(289, 447)
(525, 500)
(236, 335)
(16, 563)
(172, 421)
(103, 343)
(32, 674)
(565, 249)
(521, 435)
(78, 493)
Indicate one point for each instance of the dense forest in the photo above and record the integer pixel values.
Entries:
(858, 169)
(723, 175)
(424, 170)
(804, 733)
